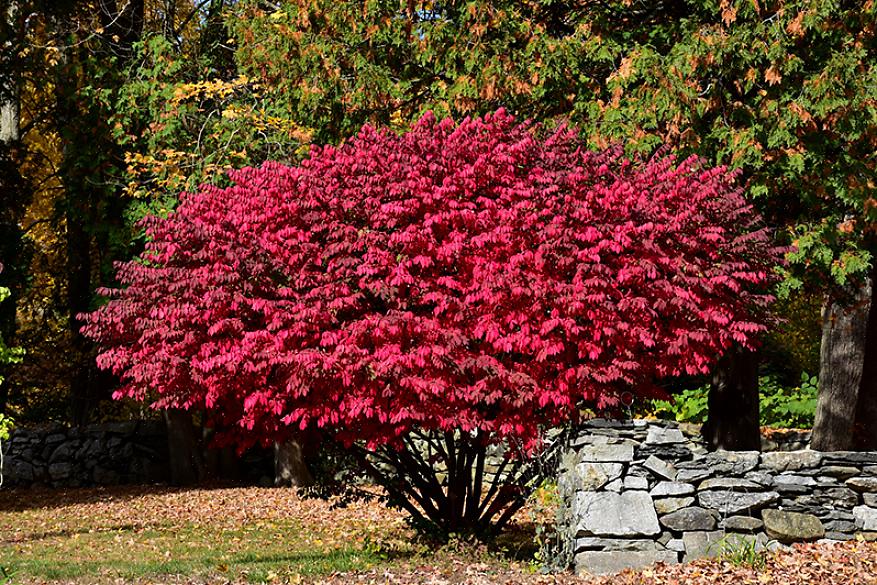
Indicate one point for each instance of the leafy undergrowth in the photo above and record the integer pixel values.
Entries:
(262, 535)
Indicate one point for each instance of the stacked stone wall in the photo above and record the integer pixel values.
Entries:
(103, 454)
(638, 492)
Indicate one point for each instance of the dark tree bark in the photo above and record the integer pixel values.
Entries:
(846, 412)
(14, 193)
(733, 418)
(290, 468)
(184, 448)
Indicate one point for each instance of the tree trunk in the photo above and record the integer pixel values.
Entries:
(845, 412)
(184, 456)
(289, 465)
(12, 192)
(733, 415)
(10, 108)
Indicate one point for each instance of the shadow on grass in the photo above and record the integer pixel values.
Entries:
(252, 566)
(45, 498)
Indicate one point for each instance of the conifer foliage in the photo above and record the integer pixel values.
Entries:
(465, 283)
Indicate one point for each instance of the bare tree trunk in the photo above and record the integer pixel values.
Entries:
(10, 108)
(12, 193)
(184, 455)
(847, 374)
(290, 468)
(733, 415)
(10, 117)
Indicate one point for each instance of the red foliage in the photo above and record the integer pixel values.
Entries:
(488, 275)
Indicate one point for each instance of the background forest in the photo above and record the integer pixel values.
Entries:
(112, 108)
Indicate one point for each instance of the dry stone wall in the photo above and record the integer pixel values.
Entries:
(103, 454)
(639, 492)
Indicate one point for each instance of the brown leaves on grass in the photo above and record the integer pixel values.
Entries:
(29, 516)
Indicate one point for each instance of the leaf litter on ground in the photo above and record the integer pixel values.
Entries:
(134, 515)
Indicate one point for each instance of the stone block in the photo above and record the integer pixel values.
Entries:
(839, 526)
(702, 544)
(745, 524)
(668, 505)
(728, 503)
(791, 460)
(689, 519)
(615, 544)
(863, 484)
(611, 514)
(789, 527)
(608, 562)
(842, 472)
(671, 488)
(60, 471)
(792, 479)
(852, 457)
(693, 475)
(616, 485)
(606, 453)
(732, 462)
(866, 518)
(662, 436)
(593, 476)
(633, 482)
(733, 484)
(660, 467)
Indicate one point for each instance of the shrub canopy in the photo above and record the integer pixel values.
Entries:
(490, 277)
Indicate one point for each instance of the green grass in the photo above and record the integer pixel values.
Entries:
(261, 552)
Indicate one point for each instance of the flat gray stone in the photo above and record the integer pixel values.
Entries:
(830, 498)
(746, 524)
(634, 482)
(606, 453)
(702, 544)
(791, 460)
(688, 519)
(839, 526)
(616, 485)
(729, 503)
(732, 462)
(58, 471)
(863, 484)
(593, 476)
(866, 518)
(854, 457)
(660, 468)
(608, 562)
(760, 477)
(792, 479)
(671, 488)
(662, 436)
(676, 544)
(611, 514)
(668, 505)
(589, 440)
(789, 527)
(870, 499)
(693, 475)
(729, 483)
(841, 472)
(615, 544)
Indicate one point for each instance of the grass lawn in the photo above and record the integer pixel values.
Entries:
(260, 535)
(231, 534)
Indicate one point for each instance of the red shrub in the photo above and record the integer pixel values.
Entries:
(487, 275)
